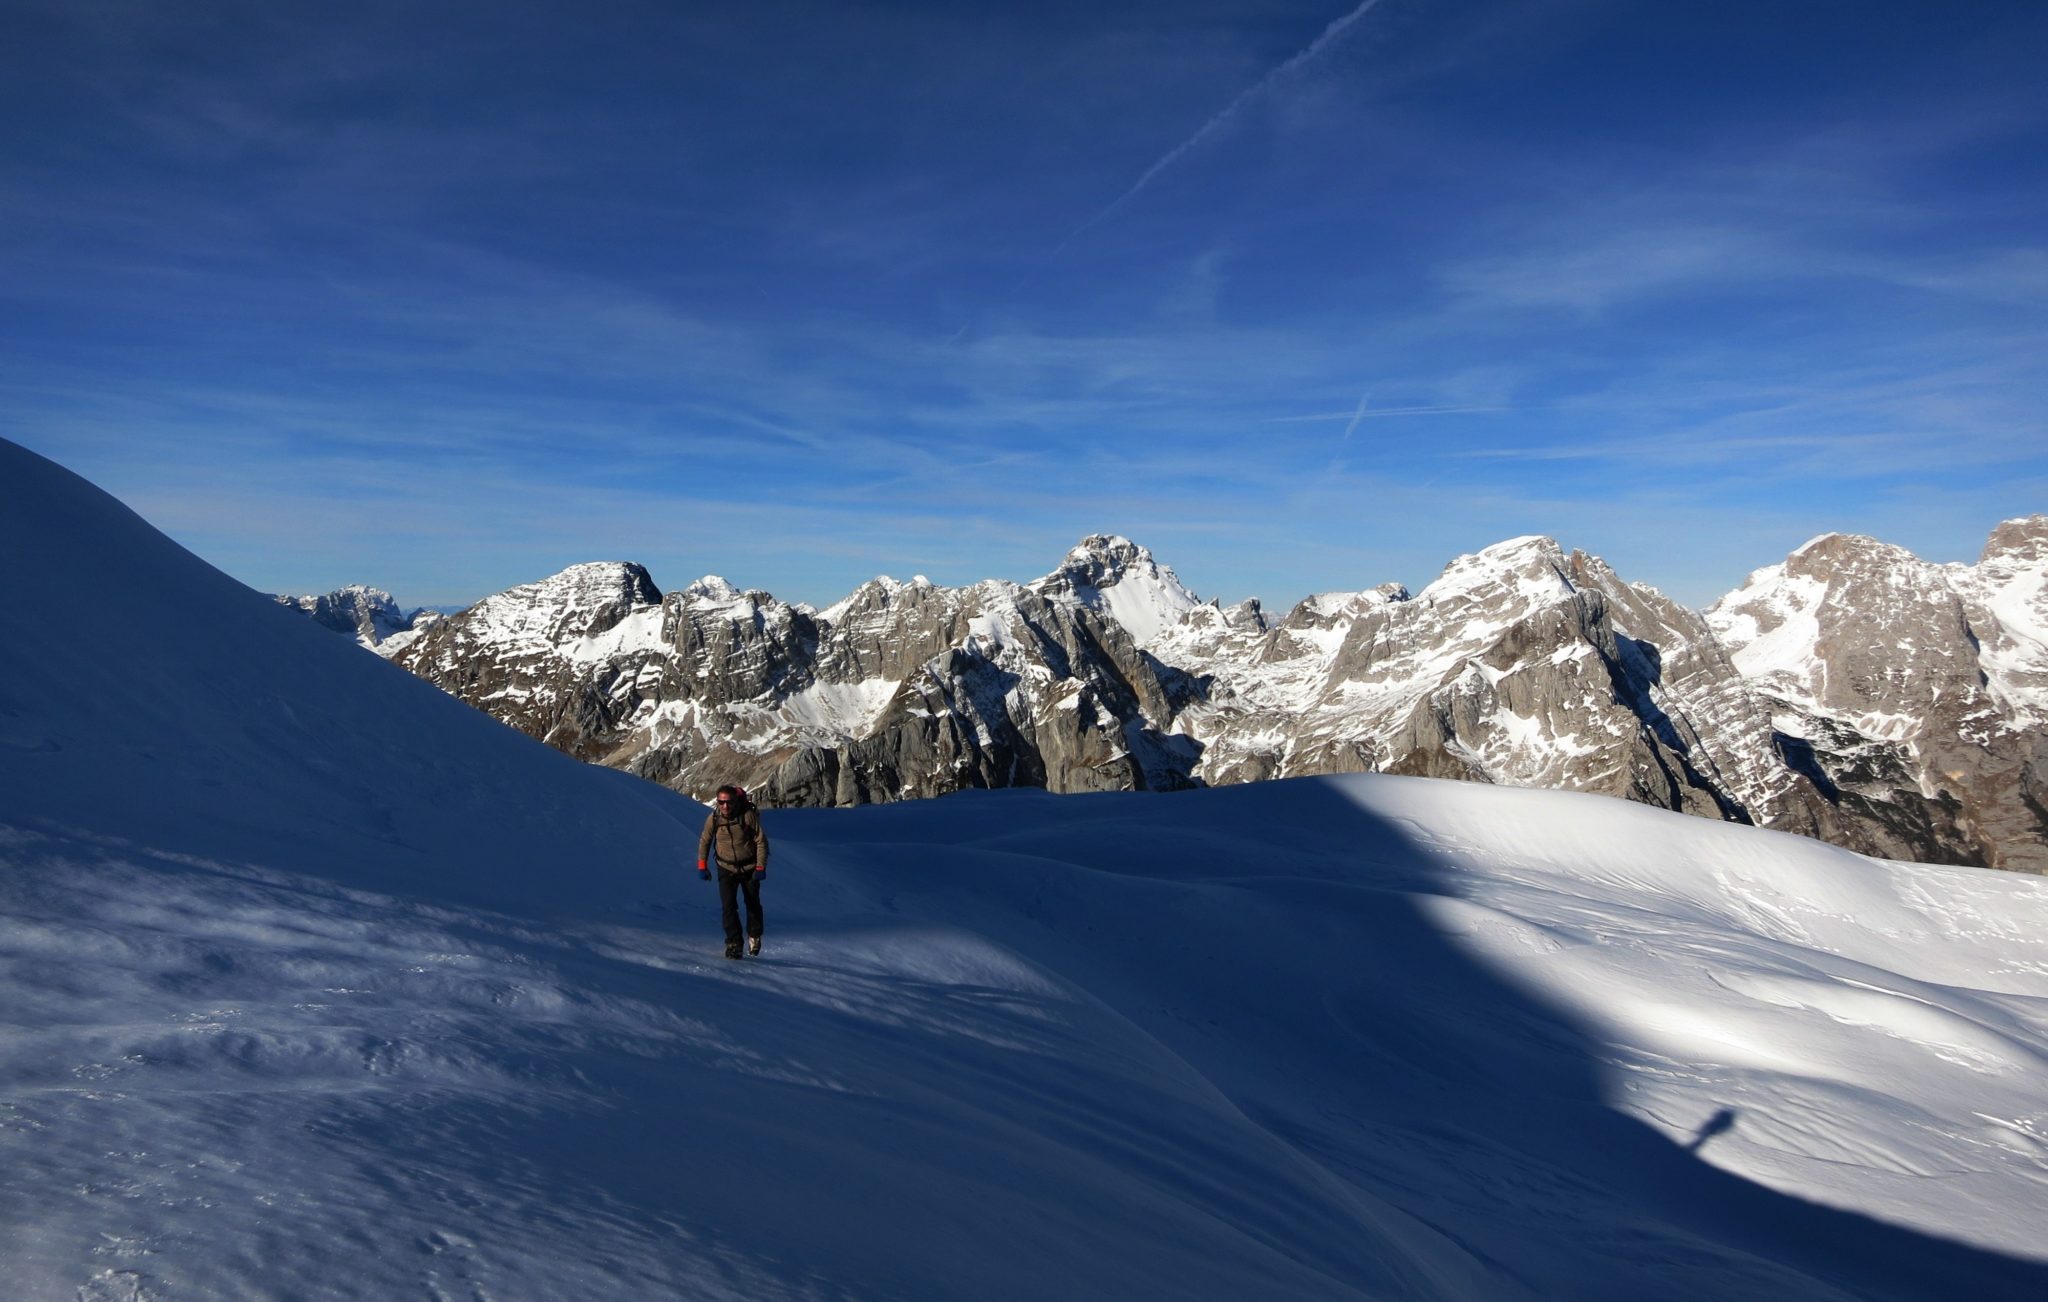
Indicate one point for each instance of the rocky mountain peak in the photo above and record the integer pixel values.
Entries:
(370, 615)
(1324, 610)
(1247, 615)
(1849, 557)
(1915, 686)
(2007, 597)
(578, 602)
(350, 597)
(1112, 575)
(1536, 547)
(1848, 624)
(1519, 572)
(1835, 589)
(2020, 543)
(711, 588)
(1106, 553)
(596, 583)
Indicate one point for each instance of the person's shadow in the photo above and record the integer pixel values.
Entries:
(1719, 1124)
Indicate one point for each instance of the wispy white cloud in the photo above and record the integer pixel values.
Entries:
(1839, 204)
(1590, 269)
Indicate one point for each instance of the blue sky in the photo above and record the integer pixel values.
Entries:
(1304, 297)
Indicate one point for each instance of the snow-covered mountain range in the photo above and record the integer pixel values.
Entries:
(1853, 693)
(303, 1005)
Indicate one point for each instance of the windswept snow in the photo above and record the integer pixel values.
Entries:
(300, 1004)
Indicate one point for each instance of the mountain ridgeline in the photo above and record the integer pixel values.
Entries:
(1853, 693)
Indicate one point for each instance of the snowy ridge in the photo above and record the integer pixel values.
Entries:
(300, 1006)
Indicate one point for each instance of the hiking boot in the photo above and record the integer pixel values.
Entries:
(732, 949)
(754, 946)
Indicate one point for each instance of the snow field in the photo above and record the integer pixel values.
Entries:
(232, 1082)
(319, 984)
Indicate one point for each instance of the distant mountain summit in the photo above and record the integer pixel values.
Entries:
(1114, 576)
(371, 616)
(1853, 692)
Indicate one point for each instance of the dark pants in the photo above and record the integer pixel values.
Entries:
(731, 885)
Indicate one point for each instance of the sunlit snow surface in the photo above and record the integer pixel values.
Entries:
(319, 984)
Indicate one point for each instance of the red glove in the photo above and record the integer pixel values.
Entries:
(760, 871)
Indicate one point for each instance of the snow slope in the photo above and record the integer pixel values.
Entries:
(320, 984)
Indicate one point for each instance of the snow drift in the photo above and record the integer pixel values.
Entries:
(319, 983)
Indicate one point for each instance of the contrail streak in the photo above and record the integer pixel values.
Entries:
(1376, 413)
(1230, 110)
(1356, 417)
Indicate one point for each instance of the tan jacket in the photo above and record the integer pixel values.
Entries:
(742, 845)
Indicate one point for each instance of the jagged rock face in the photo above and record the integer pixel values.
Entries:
(1853, 693)
(1524, 666)
(1912, 692)
(1519, 665)
(369, 615)
(901, 690)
